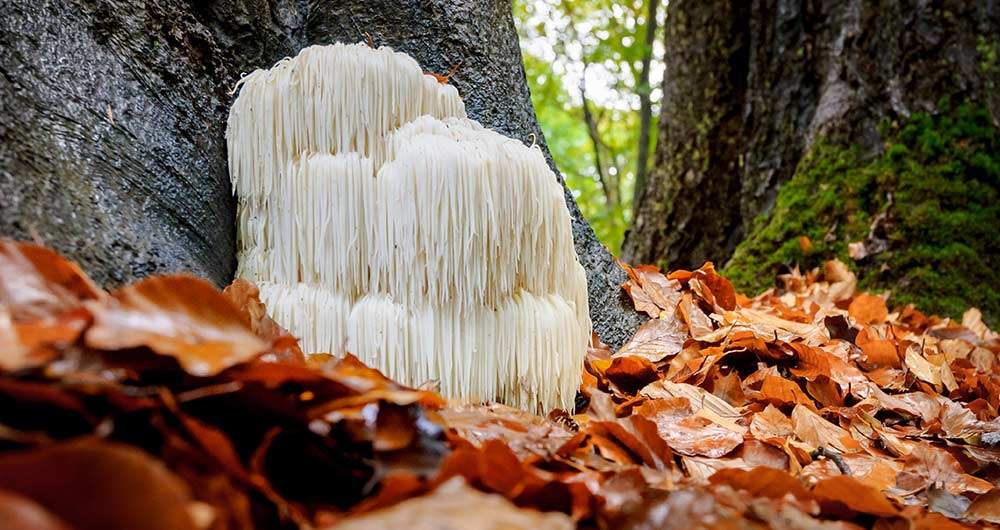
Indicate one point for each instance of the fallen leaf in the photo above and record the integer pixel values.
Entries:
(836, 493)
(698, 323)
(687, 433)
(921, 367)
(630, 373)
(880, 354)
(697, 396)
(41, 296)
(817, 432)
(526, 434)
(986, 507)
(656, 339)
(180, 316)
(651, 291)
(771, 425)
(132, 489)
(454, 506)
(780, 391)
(21, 513)
(715, 289)
(927, 466)
(246, 297)
(868, 309)
(762, 482)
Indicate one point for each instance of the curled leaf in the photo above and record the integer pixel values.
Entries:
(179, 316)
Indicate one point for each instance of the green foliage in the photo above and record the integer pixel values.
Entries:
(943, 176)
(608, 36)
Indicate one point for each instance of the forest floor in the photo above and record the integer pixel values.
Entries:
(170, 405)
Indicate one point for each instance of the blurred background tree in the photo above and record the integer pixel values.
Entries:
(595, 69)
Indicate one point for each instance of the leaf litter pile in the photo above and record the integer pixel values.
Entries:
(169, 405)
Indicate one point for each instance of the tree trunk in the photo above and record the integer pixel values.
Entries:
(113, 112)
(698, 148)
(750, 87)
(645, 105)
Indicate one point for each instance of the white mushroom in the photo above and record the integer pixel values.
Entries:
(377, 219)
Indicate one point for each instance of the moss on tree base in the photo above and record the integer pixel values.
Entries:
(930, 200)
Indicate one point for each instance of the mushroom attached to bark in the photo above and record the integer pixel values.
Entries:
(377, 219)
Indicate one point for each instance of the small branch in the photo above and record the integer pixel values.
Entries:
(834, 457)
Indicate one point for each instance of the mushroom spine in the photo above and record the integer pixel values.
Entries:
(377, 219)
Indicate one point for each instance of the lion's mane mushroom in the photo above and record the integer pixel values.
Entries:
(377, 219)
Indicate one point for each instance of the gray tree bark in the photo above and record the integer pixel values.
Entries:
(112, 119)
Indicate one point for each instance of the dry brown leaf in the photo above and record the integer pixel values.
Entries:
(456, 506)
(97, 485)
(639, 435)
(928, 466)
(21, 513)
(868, 309)
(921, 367)
(836, 493)
(41, 296)
(986, 507)
(700, 468)
(697, 396)
(651, 291)
(526, 434)
(771, 425)
(815, 431)
(656, 339)
(762, 482)
(780, 391)
(629, 373)
(687, 433)
(713, 288)
(880, 354)
(246, 297)
(698, 323)
(180, 316)
(972, 319)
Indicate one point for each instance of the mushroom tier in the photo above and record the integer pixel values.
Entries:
(431, 248)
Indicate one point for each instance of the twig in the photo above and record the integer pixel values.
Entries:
(835, 457)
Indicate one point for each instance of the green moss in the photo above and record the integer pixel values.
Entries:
(937, 182)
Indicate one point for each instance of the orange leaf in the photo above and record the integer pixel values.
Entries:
(92, 484)
(650, 290)
(686, 433)
(21, 513)
(762, 482)
(630, 373)
(836, 493)
(717, 290)
(180, 316)
(656, 339)
(868, 309)
(245, 296)
(780, 391)
(40, 303)
(881, 354)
